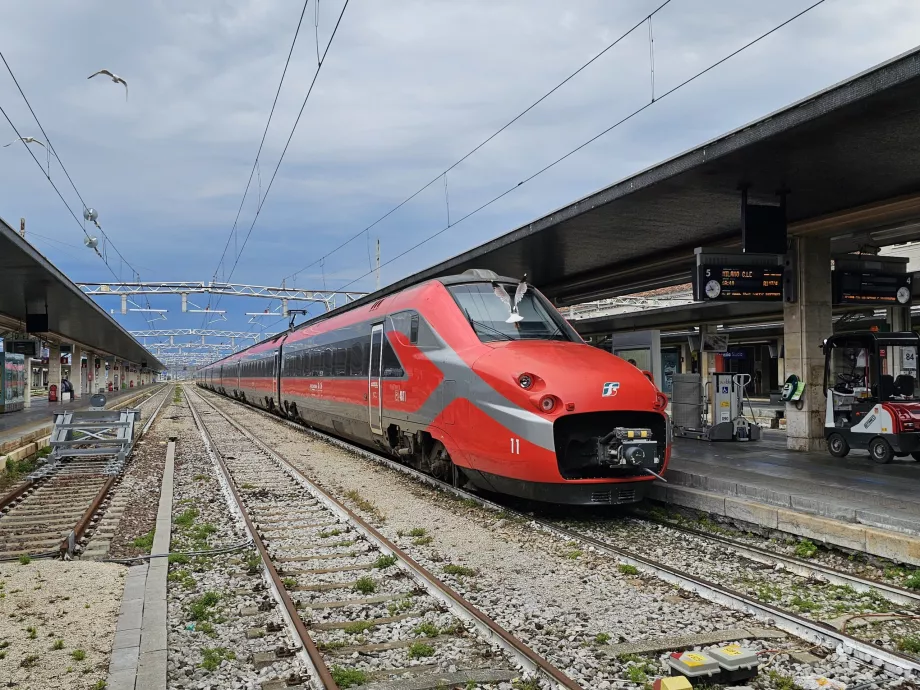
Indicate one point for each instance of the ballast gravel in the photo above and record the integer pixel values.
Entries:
(57, 623)
(140, 484)
(565, 601)
(214, 626)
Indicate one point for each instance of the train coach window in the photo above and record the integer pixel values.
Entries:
(357, 359)
(413, 329)
(340, 361)
(488, 314)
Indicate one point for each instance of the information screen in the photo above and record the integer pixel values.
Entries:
(740, 283)
(891, 289)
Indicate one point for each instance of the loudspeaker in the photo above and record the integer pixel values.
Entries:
(36, 323)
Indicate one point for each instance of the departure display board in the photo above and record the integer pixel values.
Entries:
(740, 283)
(883, 289)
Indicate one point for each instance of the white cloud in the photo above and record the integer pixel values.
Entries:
(407, 89)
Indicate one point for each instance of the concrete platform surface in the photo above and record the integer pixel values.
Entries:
(851, 502)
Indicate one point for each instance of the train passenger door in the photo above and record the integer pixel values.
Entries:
(374, 397)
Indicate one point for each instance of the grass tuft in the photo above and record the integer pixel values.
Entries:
(627, 569)
(202, 608)
(805, 549)
(212, 656)
(452, 569)
(357, 627)
(58, 644)
(78, 655)
(384, 562)
(348, 677)
(364, 504)
(365, 585)
(419, 650)
(909, 644)
(24, 559)
(187, 517)
(602, 638)
(427, 629)
(144, 542)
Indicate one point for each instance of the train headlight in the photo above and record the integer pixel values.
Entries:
(547, 403)
(525, 380)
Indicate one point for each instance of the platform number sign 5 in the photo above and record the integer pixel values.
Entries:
(515, 446)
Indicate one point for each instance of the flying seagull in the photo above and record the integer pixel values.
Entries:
(28, 140)
(115, 78)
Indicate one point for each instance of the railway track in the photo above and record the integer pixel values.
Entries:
(346, 590)
(815, 632)
(48, 515)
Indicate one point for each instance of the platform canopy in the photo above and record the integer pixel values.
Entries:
(850, 147)
(29, 283)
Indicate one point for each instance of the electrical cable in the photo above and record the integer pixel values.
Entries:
(50, 146)
(494, 134)
(143, 557)
(591, 140)
(264, 135)
(290, 137)
(286, 145)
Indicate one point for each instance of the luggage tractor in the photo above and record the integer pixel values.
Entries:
(873, 401)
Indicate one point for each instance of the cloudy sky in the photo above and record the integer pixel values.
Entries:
(408, 87)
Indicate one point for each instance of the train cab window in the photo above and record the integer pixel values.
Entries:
(488, 314)
(391, 366)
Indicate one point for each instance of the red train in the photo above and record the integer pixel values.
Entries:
(475, 379)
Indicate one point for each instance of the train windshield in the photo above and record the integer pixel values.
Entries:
(490, 316)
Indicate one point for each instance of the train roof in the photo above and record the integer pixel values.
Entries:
(473, 275)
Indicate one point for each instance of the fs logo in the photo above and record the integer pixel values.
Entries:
(610, 389)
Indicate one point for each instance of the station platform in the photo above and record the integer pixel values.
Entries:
(16, 427)
(850, 502)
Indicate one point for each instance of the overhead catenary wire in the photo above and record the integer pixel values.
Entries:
(287, 144)
(50, 146)
(255, 163)
(583, 67)
(590, 141)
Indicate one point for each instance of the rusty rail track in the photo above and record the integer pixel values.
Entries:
(45, 513)
(804, 628)
(488, 629)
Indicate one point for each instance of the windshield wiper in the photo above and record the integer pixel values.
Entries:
(504, 335)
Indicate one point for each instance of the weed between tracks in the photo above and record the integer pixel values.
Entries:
(365, 505)
(144, 542)
(348, 677)
(211, 657)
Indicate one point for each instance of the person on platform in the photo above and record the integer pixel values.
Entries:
(66, 386)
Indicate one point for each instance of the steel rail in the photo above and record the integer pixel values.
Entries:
(316, 662)
(487, 627)
(811, 631)
(68, 545)
(10, 497)
(798, 566)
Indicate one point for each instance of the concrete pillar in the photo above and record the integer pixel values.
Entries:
(807, 322)
(54, 367)
(27, 403)
(899, 318)
(76, 371)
